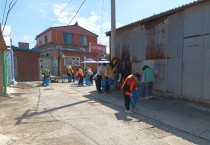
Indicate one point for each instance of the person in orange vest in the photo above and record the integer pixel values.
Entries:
(127, 87)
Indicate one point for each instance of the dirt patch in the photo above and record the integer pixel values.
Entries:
(23, 86)
(2, 98)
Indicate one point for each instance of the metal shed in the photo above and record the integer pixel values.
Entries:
(27, 64)
(175, 42)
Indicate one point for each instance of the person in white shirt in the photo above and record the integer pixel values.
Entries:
(100, 74)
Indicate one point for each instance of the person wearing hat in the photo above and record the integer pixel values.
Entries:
(69, 72)
(46, 78)
(127, 88)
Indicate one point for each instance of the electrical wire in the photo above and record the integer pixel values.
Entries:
(77, 11)
(57, 17)
(11, 5)
(4, 11)
(61, 12)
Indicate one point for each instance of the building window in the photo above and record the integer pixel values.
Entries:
(67, 38)
(40, 42)
(71, 60)
(83, 41)
(45, 39)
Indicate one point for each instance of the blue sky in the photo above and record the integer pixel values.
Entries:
(28, 18)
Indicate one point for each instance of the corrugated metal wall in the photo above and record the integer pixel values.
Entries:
(195, 51)
(27, 67)
(206, 67)
(177, 45)
(156, 39)
(174, 53)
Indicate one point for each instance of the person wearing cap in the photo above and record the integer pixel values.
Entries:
(127, 88)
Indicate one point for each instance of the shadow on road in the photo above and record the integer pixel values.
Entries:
(164, 114)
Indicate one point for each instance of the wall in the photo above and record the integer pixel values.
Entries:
(27, 67)
(176, 45)
(42, 38)
(57, 38)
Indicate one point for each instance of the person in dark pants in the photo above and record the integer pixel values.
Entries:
(98, 83)
(99, 79)
(91, 79)
(128, 86)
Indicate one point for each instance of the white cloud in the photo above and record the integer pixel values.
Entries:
(92, 22)
(27, 38)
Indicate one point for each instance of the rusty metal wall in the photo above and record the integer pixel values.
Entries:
(27, 66)
(177, 46)
(156, 33)
(124, 47)
(130, 48)
(156, 38)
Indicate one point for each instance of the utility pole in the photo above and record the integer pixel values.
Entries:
(113, 38)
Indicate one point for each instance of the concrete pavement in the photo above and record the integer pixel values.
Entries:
(185, 120)
(182, 117)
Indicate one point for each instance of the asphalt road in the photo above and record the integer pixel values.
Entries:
(64, 114)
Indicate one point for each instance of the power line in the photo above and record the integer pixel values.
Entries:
(56, 18)
(4, 11)
(61, 12)
(65, 8)
(77, 11)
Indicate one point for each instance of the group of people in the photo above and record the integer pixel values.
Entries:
(136, 81)
(134, 84)
(80, 75)
(103, 78)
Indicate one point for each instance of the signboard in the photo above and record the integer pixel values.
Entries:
(71, 60)
(97, 48)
